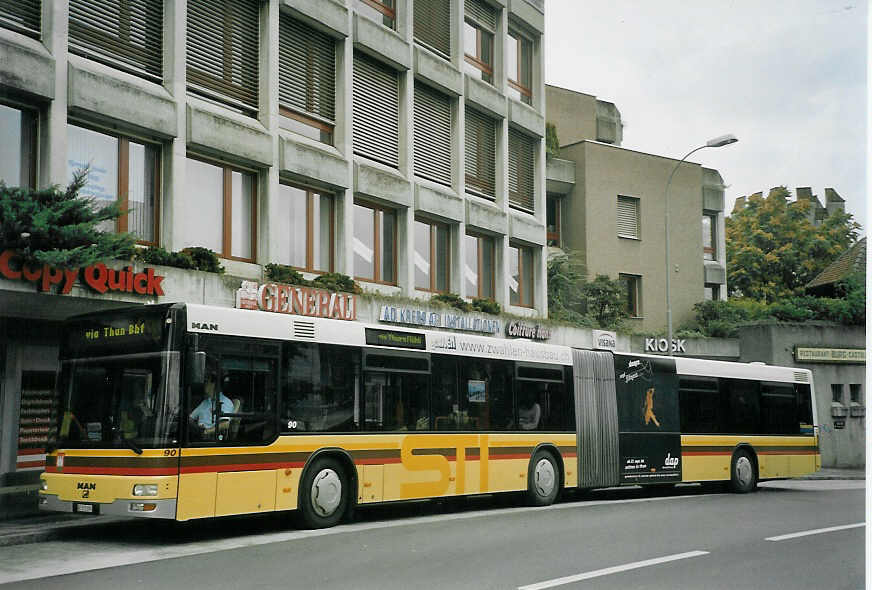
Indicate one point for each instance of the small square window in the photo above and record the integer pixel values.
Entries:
(856, 393)
(628, 217)
(632, 294)
(838, 390)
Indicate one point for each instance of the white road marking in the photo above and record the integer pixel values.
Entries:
(611, 570)
(816, 532)
(20, 562)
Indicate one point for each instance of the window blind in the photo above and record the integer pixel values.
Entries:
(521, 166)
(376, 111)
(480, 160)
(120, 33)
(483, 13)
(24, 16)
(628, 217)
(222, 50)
(432, 20)
(307, 69)
(432, 134)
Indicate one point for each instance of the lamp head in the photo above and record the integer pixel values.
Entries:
(721, 140)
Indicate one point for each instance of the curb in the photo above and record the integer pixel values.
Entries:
(50, 531)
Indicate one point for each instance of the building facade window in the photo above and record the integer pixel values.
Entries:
(306, 229)
(838, 391)
(480, 156)
(479, 266)
(376, 99)
(432, 256)
(856, 393)
(519, 67)
(552, 221)
(120, 170)
(709, 238)
(120, 33)
(23, 16)
(223, 53)
(375, 243)
(521, 276)
(479, 25)
(432, 22)
(432, 134)
(712, 292)
(628, 217)
(522, 150)
(307, 80)
(381, 11)
(18, 128)
(632, 294)
(223, 200)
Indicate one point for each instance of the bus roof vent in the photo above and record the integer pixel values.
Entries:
(304, 329)
(800, 376)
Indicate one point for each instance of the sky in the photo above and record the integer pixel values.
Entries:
(787, 77)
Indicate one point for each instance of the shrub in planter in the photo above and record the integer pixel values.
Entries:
(335, 281)
(486, 306)
(452, 300)
(205, 259)
(157, 255)
(281, 273)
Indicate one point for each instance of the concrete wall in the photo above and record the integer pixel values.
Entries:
(774, 344)
(573, 113)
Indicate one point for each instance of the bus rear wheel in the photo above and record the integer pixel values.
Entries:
(743, 473)
(323, 494)
(543, 479)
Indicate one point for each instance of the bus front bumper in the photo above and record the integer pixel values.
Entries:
(142, 507)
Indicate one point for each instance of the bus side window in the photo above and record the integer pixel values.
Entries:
(803, 405)
(744, 405)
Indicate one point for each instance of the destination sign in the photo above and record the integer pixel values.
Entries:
(396, 339)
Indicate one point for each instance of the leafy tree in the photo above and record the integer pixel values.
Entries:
(58, 227)
(773, 250)
(600, 303)
(552, 144)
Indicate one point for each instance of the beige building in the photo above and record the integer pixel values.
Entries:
(608, 204)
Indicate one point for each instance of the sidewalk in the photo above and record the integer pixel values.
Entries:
(50, 526)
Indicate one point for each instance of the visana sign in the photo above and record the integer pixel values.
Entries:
(291, 299)
(605, 340)
(98, 277)
(519, 329)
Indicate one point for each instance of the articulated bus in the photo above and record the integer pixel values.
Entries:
(182, 412)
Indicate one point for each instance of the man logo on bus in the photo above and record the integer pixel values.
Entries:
(649, 408)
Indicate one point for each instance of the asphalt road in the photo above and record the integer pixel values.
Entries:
(689, 537)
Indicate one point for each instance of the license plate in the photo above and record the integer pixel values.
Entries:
(90, 508)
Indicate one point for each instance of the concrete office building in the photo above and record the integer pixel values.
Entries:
(608, 204)
(395, 141)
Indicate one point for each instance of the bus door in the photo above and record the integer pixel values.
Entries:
(396, 399)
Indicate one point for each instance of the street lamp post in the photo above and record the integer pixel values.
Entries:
(712, 143)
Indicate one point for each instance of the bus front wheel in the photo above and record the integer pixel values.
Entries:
(543, 479)
(743, 472)
(323, 494)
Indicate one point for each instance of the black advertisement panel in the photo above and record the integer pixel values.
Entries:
(396, 339)
(648, 420)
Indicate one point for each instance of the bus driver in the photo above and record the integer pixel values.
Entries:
(204, 413)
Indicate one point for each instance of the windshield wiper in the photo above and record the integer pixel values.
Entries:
(130, 444)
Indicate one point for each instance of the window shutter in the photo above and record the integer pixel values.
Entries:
(222, 49)
(307, 69)
(376, 111)
(628, 217)
(24, 16)
(120, 33)
(433, 24)
(483, 13)
(480, 142)
(432, 134)
(521, 159)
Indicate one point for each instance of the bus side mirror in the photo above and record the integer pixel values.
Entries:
(197, 368)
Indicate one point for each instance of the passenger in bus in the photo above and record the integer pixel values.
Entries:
(204, 413)
(529, 412)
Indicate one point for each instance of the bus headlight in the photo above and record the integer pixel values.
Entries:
(145, 489)
(43, 485)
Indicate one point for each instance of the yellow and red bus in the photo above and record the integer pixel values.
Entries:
(183, 411)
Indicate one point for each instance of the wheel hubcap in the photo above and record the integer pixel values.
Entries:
(744, 471)
(326, 492)
(543, 477)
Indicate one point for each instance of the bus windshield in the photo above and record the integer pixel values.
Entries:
(126, 401)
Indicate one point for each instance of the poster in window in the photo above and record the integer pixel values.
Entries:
(477, 391)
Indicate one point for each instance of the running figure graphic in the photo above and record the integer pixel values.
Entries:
(649, 408)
